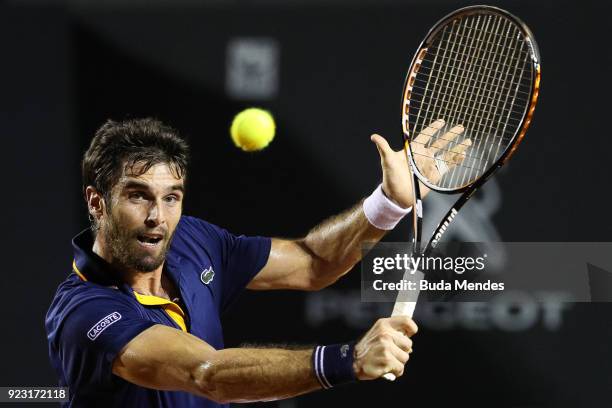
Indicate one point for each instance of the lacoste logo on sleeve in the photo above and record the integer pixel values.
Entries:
(102, 325)
(207, 275)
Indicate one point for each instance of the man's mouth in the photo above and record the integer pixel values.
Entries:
(149, 240)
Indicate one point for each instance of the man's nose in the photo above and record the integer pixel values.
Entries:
(155, 215)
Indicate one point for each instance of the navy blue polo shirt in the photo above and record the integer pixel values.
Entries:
(94, 315)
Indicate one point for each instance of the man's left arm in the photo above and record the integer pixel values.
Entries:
(328, 251)
(332, 248)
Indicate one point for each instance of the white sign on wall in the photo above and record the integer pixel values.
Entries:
(252, 68)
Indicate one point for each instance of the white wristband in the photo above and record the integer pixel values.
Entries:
(383, 213)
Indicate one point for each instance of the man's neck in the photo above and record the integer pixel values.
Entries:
(146, 283)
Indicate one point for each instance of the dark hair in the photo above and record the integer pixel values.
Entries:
(119, 146)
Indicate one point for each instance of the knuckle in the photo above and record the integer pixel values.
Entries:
(409, 343)
(413, 327)
(385, 337)
(387, 356)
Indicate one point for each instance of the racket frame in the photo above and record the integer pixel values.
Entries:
(470, 188)
(526, 117)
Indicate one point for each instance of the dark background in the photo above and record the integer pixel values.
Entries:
(68, 66)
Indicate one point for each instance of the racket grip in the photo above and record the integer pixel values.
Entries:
(400, 309)
(403, 309)
(389, 377)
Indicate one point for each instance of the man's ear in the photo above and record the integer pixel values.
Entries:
(95, 202)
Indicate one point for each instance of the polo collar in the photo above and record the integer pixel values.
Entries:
(91, 267)
(88, 265)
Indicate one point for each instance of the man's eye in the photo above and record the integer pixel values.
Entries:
(171, 199)
(136, 196)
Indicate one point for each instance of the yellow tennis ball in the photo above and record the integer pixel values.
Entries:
(253, 129)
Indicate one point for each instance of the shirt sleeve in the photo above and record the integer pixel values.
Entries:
(241, 257)
(92, 335)
(245, 257)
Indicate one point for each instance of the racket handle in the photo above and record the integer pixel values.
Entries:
(400, 309)
(403, 309)
(389, 377)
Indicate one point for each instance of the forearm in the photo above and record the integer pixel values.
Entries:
(168, 359)
(247, 374)
(336, 244)
(330, 249)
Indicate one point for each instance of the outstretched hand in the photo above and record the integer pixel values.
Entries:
(397, 176)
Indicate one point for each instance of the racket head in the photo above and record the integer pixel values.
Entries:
(479, 67)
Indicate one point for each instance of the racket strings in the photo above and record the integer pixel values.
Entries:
(438, 79)
(452, 55)
(473, 76)
(450, 162)
(519, 58)
(480, 111)
(478, 104)
(527, 92)
(439, 151)
(519, 70)
(484, 72)
(453, 140)
(491, 34)
(477, 113)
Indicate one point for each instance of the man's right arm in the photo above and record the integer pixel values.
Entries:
(165, 358)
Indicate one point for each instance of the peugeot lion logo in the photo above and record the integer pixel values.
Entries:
(207, 275)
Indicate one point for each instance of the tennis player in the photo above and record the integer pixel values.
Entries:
(137, 322)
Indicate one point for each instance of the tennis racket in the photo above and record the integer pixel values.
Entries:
(471, 91)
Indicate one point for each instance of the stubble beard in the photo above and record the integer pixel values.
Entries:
(122, 244)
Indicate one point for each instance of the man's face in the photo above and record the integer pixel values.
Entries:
(143, 214)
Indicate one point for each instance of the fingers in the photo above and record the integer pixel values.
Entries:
(448, 137)
(403, 324)
(398, 329)
(381, 144)
(385, 348)
(403, 342)
(456, 155)
(427, 133)
(395, 367)
(393, 357)
(398, 345)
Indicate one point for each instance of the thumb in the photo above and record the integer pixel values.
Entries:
(381, 144)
